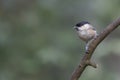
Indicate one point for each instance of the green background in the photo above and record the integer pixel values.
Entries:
(37, 40)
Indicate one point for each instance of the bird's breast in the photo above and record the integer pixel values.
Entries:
(86, 35)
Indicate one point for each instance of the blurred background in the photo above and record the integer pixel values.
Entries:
(37, 40)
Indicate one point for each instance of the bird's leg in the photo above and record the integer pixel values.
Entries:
(86, 48)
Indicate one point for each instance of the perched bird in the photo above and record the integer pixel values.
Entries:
(85, 31)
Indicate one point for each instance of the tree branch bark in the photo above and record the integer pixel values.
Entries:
(91, 48)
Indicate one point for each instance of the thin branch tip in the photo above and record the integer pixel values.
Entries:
(90, 63)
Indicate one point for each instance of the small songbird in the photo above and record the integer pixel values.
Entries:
(85, 31)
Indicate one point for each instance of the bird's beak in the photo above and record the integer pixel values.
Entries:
(76, 28)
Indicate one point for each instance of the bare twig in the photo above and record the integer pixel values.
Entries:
(90, 63)
(91, 48)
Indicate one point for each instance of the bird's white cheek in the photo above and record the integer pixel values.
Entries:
(82, 33)
(81, 28)
(85, 27)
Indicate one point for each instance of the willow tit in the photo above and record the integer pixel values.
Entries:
(85, 31)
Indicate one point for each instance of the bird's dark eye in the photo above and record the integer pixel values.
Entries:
(79, 24)
(82, 23)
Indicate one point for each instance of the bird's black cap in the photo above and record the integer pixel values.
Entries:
(81, 23)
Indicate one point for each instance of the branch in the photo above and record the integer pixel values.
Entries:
(91, 48)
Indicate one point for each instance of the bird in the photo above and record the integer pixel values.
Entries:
(85, 31)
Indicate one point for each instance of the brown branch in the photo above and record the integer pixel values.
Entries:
(93, 64)
(91, 48)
